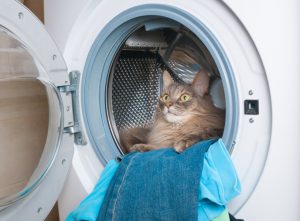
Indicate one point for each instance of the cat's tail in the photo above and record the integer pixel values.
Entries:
(132, 136)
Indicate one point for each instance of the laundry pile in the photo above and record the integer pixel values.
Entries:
(196, 184)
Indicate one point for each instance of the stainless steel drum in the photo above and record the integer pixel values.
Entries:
(135, 81)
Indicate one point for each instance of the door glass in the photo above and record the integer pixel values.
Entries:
(30, 120)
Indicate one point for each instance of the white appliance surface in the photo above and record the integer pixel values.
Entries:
(274, 27)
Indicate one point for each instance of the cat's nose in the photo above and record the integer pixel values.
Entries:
(169, 104)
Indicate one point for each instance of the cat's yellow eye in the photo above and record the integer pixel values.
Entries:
(185, 97)
(165, 98)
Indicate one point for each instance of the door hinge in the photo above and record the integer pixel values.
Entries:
(70, 95)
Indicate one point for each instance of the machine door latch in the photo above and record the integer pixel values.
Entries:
(251, 107)
(70, 97)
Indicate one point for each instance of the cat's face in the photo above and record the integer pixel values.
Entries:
(179, 102)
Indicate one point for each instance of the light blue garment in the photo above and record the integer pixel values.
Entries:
(218, 185)
(219, 182)
(89, 208)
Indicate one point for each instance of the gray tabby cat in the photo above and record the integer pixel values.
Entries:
(185, 115)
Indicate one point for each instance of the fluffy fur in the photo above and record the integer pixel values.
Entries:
(185, 115)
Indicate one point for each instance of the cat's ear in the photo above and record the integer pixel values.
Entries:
(201, 83)
(167, 79)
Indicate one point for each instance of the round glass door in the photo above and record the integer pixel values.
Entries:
(30, 120)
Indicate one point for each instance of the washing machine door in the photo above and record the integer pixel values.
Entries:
(36, 119)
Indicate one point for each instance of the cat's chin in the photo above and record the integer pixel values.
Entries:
(173, 118)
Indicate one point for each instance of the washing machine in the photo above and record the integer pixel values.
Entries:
(63, 103)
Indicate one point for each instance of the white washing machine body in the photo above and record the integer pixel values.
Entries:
(256, 53)
(276, 39)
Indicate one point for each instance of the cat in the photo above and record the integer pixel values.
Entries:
(185, 115)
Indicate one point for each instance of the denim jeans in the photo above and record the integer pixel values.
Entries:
(156, 185)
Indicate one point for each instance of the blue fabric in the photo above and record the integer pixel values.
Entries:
(156, 185)
(219, 182)
(89, 208)
(218, 185)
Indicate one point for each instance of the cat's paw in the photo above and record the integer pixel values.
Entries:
(182, 145)
(142, 147)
